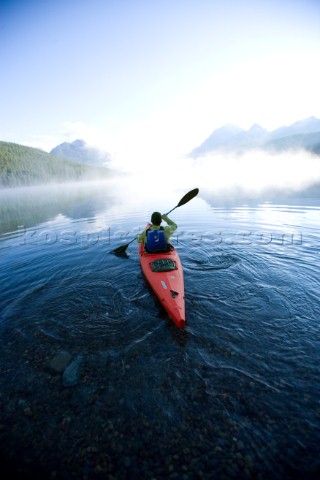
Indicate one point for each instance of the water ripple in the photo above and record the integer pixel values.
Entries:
(239, 383)
(203, 260)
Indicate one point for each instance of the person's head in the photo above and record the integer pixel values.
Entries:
(156, 218)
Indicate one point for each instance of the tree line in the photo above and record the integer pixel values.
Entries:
(21, 165)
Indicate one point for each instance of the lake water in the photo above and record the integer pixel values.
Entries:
(234, 395)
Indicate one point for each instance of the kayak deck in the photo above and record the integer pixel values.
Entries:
(164, 273)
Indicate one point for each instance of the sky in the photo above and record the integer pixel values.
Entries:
(151, 78)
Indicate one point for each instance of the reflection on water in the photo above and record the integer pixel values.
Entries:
(31, 206)
(235, 395)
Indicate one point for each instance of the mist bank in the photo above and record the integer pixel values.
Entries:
(258, 176)
(254, 178)
(226, 177)
(254, 174)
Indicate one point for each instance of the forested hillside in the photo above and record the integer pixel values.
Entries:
(20, 165)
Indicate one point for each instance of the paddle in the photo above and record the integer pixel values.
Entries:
(185, 199)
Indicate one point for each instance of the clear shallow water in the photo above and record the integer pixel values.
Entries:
(235, 395)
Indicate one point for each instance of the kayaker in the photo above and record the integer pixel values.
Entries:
(157, 237)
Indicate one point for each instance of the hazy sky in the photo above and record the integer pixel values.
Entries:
(136, 76)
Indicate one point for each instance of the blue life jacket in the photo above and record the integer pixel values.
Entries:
(156, 240)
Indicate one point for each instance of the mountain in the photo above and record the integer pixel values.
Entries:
(78, 151)
(302, 127)
(304, 134)
(308, 141)
(21, 165)
(218, 139)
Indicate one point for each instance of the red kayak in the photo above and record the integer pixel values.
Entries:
(164, 273)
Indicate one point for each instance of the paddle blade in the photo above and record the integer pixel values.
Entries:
(188, 196)
(120, 250)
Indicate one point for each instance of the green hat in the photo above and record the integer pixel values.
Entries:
(156, 218)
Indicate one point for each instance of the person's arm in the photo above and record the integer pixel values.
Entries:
(141, 237)
(171, 226)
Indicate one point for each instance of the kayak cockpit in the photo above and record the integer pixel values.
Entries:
(163, 265)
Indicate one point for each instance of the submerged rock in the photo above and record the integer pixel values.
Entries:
(60, 361)
(72, 373)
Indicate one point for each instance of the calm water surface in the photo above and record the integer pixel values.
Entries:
(234, 395)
